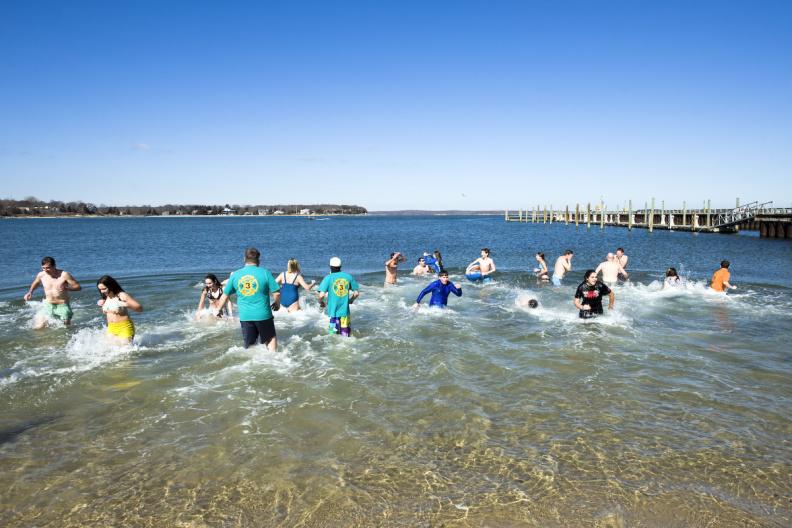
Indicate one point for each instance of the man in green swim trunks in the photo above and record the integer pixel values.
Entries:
(57, 284)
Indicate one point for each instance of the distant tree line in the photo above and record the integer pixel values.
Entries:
(31, 206)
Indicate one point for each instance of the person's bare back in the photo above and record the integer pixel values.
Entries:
(610, 269)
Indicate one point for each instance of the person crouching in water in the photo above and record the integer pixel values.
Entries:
(339, 290)
(212, 292)
(116, 303)
(588, 297)
(440, 290)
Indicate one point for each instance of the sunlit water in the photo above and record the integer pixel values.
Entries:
(672, 410)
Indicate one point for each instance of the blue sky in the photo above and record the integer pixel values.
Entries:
(393, 105)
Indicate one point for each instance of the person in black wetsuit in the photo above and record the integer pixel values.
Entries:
(588, 297)
(440, 290)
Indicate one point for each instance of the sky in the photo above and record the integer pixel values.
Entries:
(397, 105)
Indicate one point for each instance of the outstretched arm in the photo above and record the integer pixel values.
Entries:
(301, 282)
(36, 283)
(423, 293)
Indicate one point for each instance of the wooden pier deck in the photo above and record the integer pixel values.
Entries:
(771, 222)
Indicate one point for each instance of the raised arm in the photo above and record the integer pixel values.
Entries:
(36, 283)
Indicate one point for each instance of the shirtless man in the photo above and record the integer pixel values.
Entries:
(391, 267)
(611, 270)
(422, 268)
(484, 263)
(563, 264)
(621, 260)
(57, 284)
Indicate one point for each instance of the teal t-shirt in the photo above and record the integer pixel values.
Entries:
(253, 286)
(338, 285)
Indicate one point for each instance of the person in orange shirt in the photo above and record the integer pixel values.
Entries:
(720, 279)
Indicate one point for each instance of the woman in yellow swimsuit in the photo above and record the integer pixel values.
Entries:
(116, 303)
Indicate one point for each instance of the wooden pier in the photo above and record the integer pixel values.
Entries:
(771, 222)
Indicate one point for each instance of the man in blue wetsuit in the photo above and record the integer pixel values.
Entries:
(440, 289)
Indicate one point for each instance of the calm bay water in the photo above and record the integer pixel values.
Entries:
(673, 410)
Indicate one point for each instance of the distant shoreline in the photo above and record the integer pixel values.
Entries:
(314, 216)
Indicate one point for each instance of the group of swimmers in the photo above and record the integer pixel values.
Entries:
(259, 293)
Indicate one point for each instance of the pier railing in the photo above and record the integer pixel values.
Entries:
(770, 221)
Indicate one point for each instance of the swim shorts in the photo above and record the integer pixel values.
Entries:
(58, 311)
(264, 331)
(340, 325)
(556, 280)
(122, 329)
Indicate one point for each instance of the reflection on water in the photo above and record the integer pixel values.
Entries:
(673, 410)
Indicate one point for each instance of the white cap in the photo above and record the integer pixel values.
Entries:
(335, 262)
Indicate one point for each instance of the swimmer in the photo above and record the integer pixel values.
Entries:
(541, 272)
(116, 303)
(56, 284)
(392, 267)
(212, 292)
(440, 290)
(526, 302)
(421, 268)
(622, 259)
(291, 280)
(484, 264)
(588, 297)
(672, 279)
(720, 279)
(611, 270)
(563, 265)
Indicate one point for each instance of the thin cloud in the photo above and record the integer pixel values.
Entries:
(141, 146)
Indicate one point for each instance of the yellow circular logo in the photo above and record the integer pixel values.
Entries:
(341, 287)
(247, 285)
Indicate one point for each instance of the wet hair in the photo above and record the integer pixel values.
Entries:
(212, 277)
(540, 255)
(620, 249)
(533, 303)
(111, 284)
(569, 252)
(588, 273)
(486, 250)
(335, 269)
(252, 255)
(48, 260)
(443, 273)
(671, 272)
(439, 258)
(725, 263)
(420, 259)
(293, 266)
